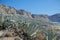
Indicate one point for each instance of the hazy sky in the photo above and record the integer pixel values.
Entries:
(49, 7)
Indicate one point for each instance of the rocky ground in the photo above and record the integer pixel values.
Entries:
(13, 34)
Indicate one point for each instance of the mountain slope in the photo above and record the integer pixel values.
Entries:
(10, 18)
(43, 18)
(55, 17)
(10, 10)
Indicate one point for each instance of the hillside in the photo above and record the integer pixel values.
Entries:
(39, 27)
(55, 17)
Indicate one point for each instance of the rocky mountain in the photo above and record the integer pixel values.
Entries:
(55, 17)
(7, 9)
(24, 13)
(41, 17)
(10, 10)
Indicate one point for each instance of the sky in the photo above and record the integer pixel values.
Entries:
(48, 7)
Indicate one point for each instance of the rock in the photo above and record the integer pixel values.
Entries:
(11, 38)
(1, 33)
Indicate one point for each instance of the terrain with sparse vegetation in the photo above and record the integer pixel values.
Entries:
(22, 25)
